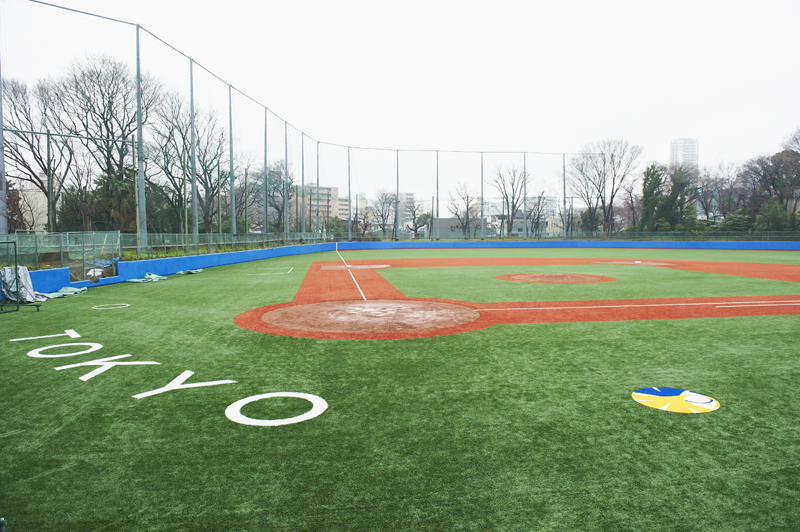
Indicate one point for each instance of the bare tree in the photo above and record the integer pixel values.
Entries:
(364, 219)
(600, 171)
(281, 192)
(631, 203)
(170, 151)
(21, 211)
(209, 154)
(417, 215)
(97, 99)
(511, 186)
(465, 207)
(536, 213)
(26, 153)
(793, 142)
(383, 207)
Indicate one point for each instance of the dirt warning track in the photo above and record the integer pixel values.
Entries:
(354, 302)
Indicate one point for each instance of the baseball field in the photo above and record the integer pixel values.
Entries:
(437, 389)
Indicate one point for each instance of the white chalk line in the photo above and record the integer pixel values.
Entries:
(271, 273)
(732, 304)
(761, 305)
(350, 272)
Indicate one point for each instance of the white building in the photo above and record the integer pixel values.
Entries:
(685, 152)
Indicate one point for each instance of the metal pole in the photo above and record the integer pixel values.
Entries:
(285, 182)
(193, 140)
(564, 174)
(183, 200)
(266, 178)
(219, 201)
(349, 212)
(3, 205)
(303, 177)
(525, 193)
(232, 191)
(317, 217)
(482, 224)
(437, 195)
(397, 200)
(142, 227)
(246, 219)
(50, 224)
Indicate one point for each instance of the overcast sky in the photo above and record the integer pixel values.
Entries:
(486, 76)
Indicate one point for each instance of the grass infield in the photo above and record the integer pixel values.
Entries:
(513, 427)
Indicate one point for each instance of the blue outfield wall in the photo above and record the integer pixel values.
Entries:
(622, 244)
(57, 278)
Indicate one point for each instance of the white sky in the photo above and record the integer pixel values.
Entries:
(493, 76)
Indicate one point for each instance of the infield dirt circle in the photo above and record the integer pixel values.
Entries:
(379, 316)
(559, 278)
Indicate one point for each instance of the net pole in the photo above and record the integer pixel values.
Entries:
(349, 216)
(232, 191)
(482, 224)
(142, 208)
(525, 193)
(285, 181)
(51, 226)
(437, 195)
(564, 175)
(266, 178)
(193, 155)
(3, 204)
(397, 200)
(317, 216)
(303, 178)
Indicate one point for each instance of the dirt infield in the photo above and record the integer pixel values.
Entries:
(555, 278)
(335, 301)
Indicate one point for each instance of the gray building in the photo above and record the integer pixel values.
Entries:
(685, 152)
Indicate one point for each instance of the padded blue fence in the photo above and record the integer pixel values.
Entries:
(55, 279)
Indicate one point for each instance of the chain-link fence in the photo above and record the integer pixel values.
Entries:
(92, 254)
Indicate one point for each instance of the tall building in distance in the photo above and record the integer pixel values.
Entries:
(685, 152)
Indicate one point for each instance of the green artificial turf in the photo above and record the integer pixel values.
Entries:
(480, 284)
(515, 427)
(760, 256)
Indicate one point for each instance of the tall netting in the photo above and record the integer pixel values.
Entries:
(219, 169)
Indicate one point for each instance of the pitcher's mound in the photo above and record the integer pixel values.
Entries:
(380, 316)
(564, 278)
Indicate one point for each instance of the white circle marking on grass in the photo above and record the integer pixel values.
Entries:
(111, 306)
(234, 411)
(37, 353)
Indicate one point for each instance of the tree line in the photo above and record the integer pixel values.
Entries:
(73, 139)
(761, 194)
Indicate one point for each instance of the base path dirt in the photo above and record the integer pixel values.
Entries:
(354, 302)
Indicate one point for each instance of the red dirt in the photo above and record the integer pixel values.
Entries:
(370, 316)
(337, 285)
(555, 278)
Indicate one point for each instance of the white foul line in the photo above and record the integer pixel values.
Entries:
(350, 272)
(359, 288)
(761, 305)
(280, 273)
(340, 255)
(717, 303)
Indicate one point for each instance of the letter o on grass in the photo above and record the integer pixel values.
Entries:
(37, 353)
(234, 412)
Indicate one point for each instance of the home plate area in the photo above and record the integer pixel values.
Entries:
(370, 316)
